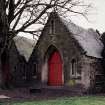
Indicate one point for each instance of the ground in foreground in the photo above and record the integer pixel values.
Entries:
(87, 100)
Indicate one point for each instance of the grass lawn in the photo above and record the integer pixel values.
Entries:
(88, 100)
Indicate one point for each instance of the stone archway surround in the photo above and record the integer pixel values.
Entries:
(45, 67)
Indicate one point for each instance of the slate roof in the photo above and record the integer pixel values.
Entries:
(88, 39)
(25, 46)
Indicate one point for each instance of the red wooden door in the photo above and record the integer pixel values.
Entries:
(55, 70)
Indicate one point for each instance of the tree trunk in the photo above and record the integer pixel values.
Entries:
(4, 29)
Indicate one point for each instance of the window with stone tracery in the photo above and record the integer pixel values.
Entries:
(75, 69)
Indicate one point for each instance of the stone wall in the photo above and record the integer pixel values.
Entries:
(92, 72)
(17, 66)
(63, 41)
(69, 48)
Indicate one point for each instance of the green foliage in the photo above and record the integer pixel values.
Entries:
(91, 100)
(1, 103)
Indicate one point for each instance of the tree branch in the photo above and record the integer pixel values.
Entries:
(32, 22)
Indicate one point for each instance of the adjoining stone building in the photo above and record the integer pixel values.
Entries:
(12, 67)
(67, 54)
(14, 62)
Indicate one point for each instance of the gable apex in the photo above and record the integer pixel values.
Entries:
(88, 39)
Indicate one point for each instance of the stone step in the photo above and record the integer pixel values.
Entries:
(57, 89)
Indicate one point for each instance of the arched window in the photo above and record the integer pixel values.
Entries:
(73, 67)
(52, 27)
(35, 70)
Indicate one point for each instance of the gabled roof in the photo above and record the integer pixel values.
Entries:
(88, 39)
(25, 46)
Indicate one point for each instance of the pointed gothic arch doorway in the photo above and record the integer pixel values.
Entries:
(55, 69)
(52, 73)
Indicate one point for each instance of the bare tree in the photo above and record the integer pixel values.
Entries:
(21, 14)
(18, 15)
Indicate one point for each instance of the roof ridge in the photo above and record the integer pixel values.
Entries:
(87, 38)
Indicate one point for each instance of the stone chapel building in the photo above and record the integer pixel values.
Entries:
(67, 54)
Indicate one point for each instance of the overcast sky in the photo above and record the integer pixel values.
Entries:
(96, 16)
